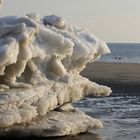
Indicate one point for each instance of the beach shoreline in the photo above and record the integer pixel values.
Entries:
(119, 76)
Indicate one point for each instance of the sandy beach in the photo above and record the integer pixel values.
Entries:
(113, 71)
(119, 76)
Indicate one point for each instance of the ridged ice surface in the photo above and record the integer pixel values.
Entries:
(19, 106)
(40, 62)
(54, 124)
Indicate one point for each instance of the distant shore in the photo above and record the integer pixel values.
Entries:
(119, 76)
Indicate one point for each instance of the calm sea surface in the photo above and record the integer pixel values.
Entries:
(123, 52)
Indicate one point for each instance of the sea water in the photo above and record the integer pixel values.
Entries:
(119, 112)
(122, 53)
(120, 116)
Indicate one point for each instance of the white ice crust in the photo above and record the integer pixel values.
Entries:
(43, 58)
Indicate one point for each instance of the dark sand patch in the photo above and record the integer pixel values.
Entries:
(119, 76)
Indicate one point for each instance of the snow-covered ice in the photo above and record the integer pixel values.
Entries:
(40, 62)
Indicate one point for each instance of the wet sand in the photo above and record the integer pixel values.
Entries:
(118, 76)
(113, 71)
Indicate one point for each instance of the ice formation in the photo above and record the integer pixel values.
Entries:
(40, 62)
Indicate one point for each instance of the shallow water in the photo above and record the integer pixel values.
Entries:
(119, 114)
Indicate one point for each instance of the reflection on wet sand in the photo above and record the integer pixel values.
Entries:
(84, 136)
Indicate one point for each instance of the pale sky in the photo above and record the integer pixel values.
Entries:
(110, 20)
